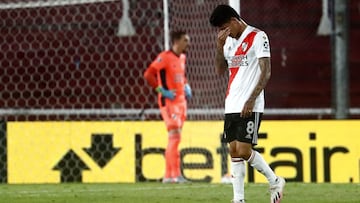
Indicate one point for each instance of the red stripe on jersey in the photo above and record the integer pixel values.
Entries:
(241, 50)
(232, 72)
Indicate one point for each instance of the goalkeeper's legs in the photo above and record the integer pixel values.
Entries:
(174, 116)
(172, 155)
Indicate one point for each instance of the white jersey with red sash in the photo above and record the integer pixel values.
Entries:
(242, 56)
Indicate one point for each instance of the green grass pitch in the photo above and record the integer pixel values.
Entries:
(173, 193)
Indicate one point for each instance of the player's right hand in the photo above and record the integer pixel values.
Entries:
(222, 35)
(166, 93)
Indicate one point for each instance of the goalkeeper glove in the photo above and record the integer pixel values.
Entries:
(165, 93)
(187, 90)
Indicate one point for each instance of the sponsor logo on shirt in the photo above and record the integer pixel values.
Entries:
(239, 60)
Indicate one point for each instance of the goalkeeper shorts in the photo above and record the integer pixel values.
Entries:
(174, 115)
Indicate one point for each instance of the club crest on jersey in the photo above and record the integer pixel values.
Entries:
(244, 45)
(159, 59)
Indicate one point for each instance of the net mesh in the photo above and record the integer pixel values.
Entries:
(66, 55)
(208, 88)
(64, 60)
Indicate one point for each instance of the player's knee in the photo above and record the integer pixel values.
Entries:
(174, 141)
(174, 133)
(243, 153)
(174, 129)
(174, 125)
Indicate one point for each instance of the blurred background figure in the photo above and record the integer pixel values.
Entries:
(166, 74)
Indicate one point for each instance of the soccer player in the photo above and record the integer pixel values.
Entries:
(166, 74)
(244, 52)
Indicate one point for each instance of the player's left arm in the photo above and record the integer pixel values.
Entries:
(263, 52)
(187, 87)
(265, 67)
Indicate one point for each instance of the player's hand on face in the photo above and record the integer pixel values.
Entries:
(222, 35)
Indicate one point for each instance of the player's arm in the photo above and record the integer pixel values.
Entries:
(150, 76)
(265, 67)
(220, 62)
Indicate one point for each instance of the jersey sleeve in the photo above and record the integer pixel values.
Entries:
(159, 62)
(151, 72)
(262, 45)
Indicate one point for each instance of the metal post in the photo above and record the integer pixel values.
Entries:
(235, 4)
(340, 79)
(166, 25)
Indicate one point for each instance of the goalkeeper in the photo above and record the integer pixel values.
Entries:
(166, 74)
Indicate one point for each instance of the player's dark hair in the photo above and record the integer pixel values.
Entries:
(176, 35)
(222, 14)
